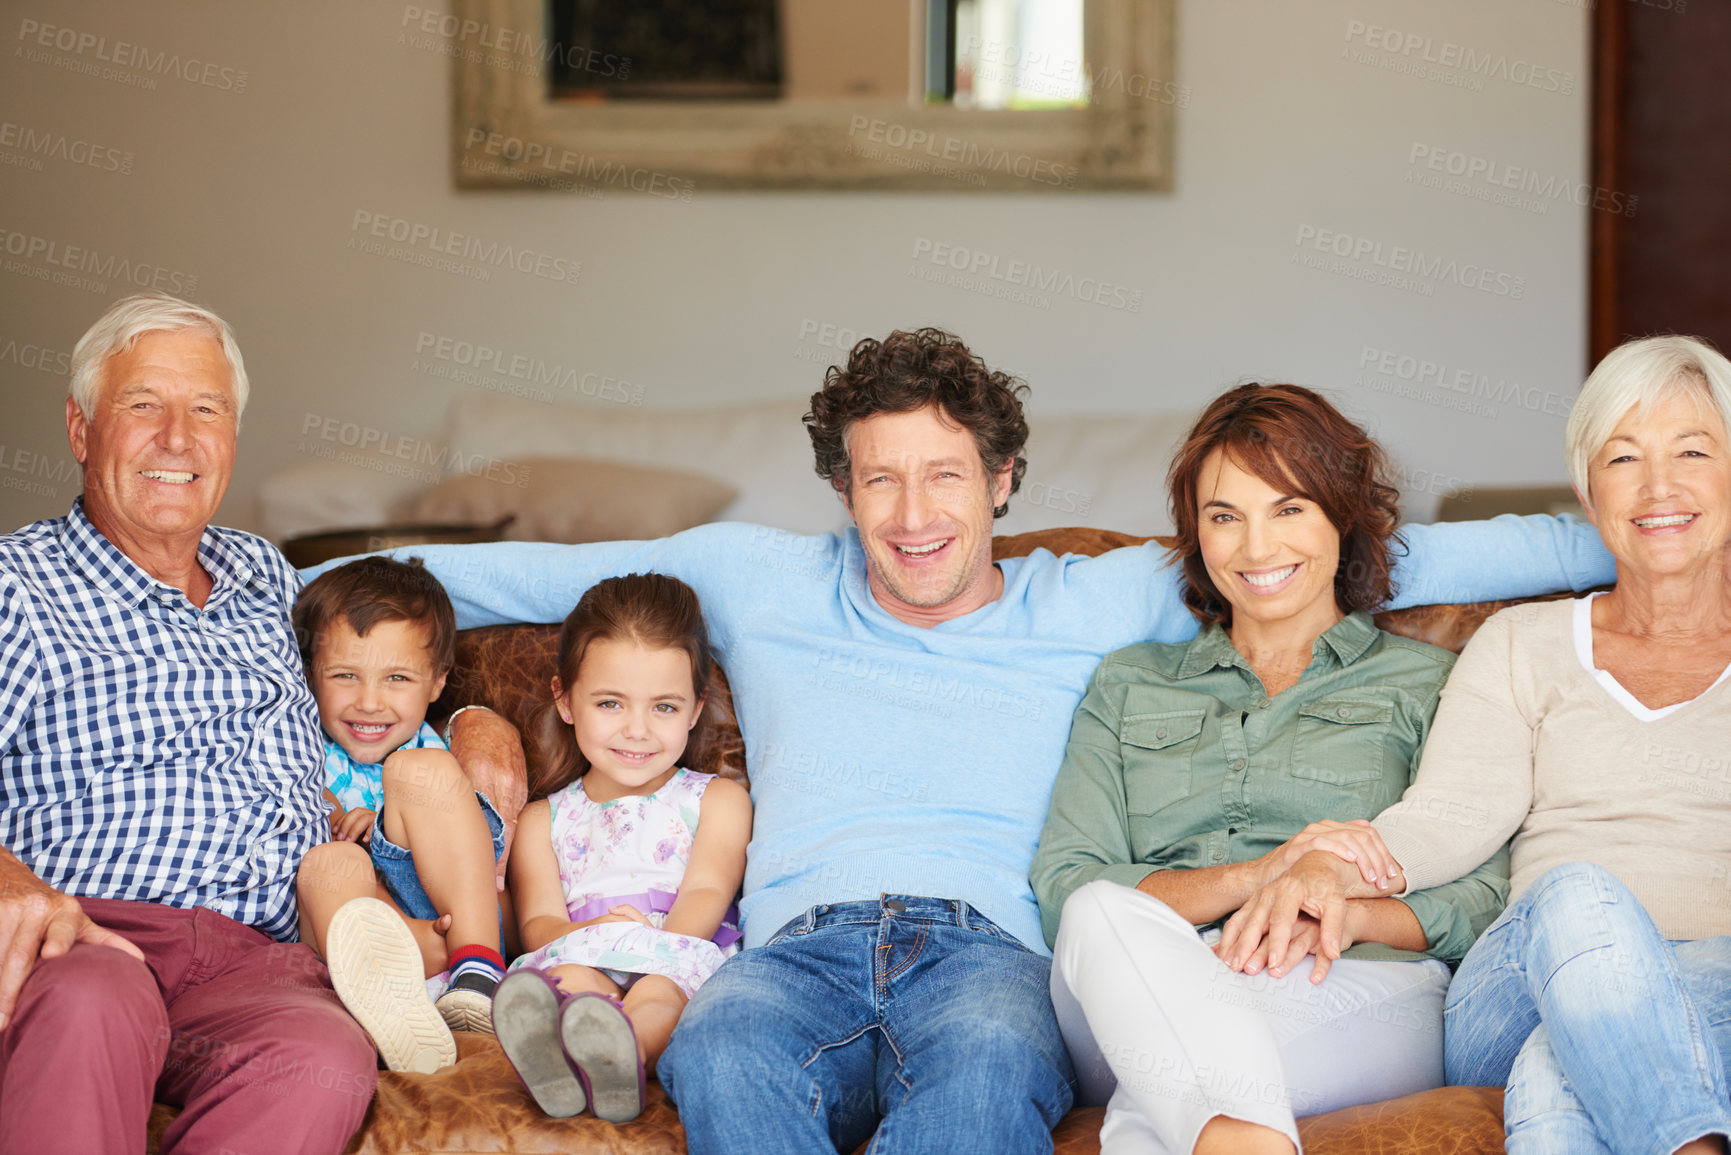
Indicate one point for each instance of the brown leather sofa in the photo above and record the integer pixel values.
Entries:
(477, 1105)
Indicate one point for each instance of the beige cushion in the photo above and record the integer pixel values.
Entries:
(761, 447)
(574, 499)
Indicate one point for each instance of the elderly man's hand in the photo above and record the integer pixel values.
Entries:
(37, 921)
(490, 751)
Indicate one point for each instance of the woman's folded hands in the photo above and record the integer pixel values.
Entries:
(1305, 906)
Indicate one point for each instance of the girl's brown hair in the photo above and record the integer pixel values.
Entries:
(1296, 441)
(656, 612)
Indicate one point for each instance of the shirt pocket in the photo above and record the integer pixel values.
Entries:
(1340, 753)
(1157, 749)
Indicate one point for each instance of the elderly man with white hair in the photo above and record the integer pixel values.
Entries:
(1594, 732)
(160, 774)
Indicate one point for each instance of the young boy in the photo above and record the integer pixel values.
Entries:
(377, 639)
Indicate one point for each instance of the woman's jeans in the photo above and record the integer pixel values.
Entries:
(916, 1011)
(1608, 1037)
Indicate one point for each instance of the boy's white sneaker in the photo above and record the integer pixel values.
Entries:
(467, 1004)
(376, 969)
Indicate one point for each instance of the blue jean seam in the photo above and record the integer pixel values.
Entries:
(879, 1027)
(817, 1105)
(1451, 1005)
(918, 947)
(822, 1047)
(820, 924)
(1551, 977)
(1697, 1035)
(985, 926)
(900, 1077)
(803, 929)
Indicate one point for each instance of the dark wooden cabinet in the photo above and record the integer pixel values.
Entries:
(1662, 136)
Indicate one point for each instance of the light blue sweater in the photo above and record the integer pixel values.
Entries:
(889, 758)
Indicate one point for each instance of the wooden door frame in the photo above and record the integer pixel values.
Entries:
(1609, 45)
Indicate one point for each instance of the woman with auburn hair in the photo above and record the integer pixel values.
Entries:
(1198, 771)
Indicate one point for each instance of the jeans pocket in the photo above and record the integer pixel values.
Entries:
(979, 922)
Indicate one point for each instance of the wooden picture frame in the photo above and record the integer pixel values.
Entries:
(506, 132)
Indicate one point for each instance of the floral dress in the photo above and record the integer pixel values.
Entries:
(631, 851)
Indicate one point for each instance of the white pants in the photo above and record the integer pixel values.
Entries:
(1168, 1037)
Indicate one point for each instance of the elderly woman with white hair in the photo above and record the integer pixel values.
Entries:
(1594, 732)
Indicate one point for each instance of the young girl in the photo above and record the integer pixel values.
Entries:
(625, 869)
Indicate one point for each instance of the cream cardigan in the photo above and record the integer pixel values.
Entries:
(1528, 743)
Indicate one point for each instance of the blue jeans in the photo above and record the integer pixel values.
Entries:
(1608, 1037)
(918, 1012)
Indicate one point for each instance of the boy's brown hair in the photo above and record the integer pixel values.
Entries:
(373, 590)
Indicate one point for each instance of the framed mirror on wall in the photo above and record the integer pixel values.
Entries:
(664, 96)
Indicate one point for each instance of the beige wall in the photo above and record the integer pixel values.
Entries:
(1294, 133)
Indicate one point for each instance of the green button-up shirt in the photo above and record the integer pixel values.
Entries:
(1178, 759)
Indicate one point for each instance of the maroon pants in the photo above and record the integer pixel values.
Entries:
(241, 1032)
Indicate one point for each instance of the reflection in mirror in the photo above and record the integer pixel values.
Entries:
(1006, 54)
(976, 54)
(677, 49)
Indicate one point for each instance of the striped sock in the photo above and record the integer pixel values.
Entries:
(486, 965)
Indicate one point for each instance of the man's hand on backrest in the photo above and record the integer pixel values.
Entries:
(37, 921)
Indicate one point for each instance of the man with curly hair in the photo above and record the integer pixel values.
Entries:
(905, 704)
(938, 439)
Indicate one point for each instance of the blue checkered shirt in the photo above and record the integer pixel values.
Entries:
(150, 750)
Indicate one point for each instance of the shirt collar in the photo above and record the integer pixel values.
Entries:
(229, 564)
(1348, 639)
(105, 565)
(1207, 650)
